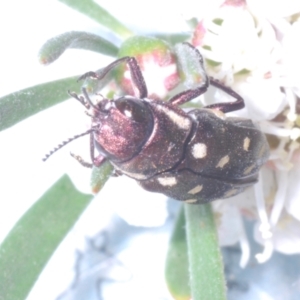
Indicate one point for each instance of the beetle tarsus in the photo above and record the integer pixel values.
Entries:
(80, 99)
(88, 99)
(89, 74)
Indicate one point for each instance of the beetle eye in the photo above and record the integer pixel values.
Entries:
(132, 108)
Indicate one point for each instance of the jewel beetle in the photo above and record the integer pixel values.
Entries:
(196, 156)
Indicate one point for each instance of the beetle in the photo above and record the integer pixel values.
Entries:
(196, 156)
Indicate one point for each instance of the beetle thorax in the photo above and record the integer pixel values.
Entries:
(123, 128)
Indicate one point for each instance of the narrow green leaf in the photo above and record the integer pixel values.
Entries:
(173, 38)
(141, 45)
(177, 272)
(32, 241)
(205, 262)
(20, 105)
(56, 46)
(100, 15)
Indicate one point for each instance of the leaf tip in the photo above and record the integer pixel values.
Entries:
(43, 60)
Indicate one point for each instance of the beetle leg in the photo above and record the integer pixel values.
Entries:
(135, 72)
(92, 147)
(90, 74)
(226, 106)
(80, 99)
(89, 114)
(81, 161)
(137, 77)
(116, 173)
(190, 94)
(96, 161)
(99, 160)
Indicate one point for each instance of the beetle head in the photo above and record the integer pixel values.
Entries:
(123, 126)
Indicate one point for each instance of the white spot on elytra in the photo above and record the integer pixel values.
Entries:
(180, 121)
(199, 150)
(191, 201)
(223, 161)
(196, 189)
(249, 169)
(230, 193)
(246, 144)
(167, 181)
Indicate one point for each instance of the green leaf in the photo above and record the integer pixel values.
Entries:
(56, 46)
(207, 47)
(100, 15)
(20, 105)
(205, 262)
(32, 241)
(173, 38)
(212, 63)
(243, 72)
(218, 21)
(177, 271)
(100, 175)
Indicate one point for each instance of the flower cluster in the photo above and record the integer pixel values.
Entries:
(255, 52)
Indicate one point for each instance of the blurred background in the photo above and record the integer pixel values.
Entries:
(118, 247)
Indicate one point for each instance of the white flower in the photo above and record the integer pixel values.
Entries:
(254, 50)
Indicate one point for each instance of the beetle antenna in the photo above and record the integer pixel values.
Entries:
(64, 143)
